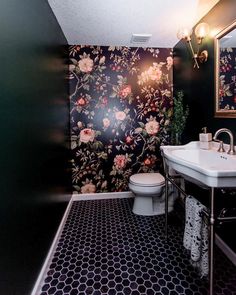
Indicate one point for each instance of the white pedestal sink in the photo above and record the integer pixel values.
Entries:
(207, 168)
(203, 167)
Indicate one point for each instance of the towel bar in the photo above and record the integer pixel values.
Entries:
(211, 218)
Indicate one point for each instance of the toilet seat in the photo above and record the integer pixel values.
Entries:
(147, 179)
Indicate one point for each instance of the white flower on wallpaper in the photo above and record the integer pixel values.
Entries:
(86, 64)
(152, 127)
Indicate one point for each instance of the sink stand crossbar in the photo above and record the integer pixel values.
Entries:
(210, 214)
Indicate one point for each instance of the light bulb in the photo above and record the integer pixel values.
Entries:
(184, 33)
(201, 30)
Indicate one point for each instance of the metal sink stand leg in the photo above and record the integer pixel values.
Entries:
(212, 240)
(212, 226)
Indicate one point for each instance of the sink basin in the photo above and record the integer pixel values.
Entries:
(203, 167)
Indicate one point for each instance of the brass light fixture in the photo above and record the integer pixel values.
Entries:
(201, 32)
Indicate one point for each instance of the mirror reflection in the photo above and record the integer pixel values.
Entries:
(226, 73)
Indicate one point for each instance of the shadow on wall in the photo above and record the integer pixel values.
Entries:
(121, 104)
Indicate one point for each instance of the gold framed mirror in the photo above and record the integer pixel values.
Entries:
(225, 72)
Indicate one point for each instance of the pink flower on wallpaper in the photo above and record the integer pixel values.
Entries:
(88, 188)
(120, 115)
(125, 91)
(154, 73)
(106, 122)
(86, 65)
(120, 161)
(147, 162)
(152, 127)
(81, 101)
(129, 140)
(104, 102)
(87, 135)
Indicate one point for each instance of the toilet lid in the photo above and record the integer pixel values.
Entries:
(147, 179)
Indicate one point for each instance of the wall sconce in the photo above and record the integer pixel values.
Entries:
(201, 32)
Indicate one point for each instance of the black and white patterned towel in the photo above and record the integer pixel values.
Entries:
(196, 235)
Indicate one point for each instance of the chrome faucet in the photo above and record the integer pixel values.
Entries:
(231, 150)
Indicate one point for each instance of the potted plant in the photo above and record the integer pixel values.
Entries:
(178, 122)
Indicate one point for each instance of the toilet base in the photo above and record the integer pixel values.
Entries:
(150, 205)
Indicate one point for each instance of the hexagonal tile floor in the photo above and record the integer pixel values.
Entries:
(105, 249)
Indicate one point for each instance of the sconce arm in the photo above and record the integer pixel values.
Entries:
(194, 55)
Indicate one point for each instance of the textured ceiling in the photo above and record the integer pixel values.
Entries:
(112, 22)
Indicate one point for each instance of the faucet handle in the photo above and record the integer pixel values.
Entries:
(221, 146)
(231, 151)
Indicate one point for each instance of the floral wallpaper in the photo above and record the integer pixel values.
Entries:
(227, 95)
(121, 105)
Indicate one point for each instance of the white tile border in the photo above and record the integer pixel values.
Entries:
(101, 196)
(37, 287)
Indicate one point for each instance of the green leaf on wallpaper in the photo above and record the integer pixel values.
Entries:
(113, 172)
(97, 145)
(130, 100)
(169, 113)
(74, 137)
(100, 173)
(229, 93)
(76, 187)
(86, 87)
(151, 139)
(145, 133)
(111, 48)
(113, 94)
(73, 144)
(86, 77)
(152, 148)
(91, 115)
(123, 126)
(77, 70)
(74, 61)
(141, 124)
(102, 155)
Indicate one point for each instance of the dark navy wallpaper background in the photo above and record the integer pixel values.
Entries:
(121, 105)
(227, 95)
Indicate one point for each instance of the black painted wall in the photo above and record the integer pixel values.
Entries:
(34, 124)
(198, 84)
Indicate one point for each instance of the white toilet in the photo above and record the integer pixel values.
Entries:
(149, 192)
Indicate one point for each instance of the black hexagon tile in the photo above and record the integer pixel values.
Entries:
(105, 249)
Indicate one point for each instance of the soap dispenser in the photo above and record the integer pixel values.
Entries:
(205, 139)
